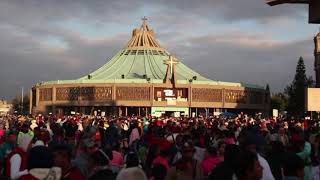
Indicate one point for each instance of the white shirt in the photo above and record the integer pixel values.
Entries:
(15, 163)
(266, 173)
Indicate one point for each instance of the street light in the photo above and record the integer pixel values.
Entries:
(314, 7)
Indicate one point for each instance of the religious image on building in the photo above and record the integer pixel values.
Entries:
(144, 79)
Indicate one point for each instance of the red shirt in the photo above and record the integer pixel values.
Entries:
(73, 173)
(28, 177)
(117, 159)
(164, 143)
(161, 160)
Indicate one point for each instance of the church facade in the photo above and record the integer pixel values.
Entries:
(145, 79)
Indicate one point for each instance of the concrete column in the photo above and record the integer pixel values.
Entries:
(151, 95)
(37, 96)
(30, 102)
(139, 111)
(54, 94)
(223, 98)
(190, 95)
(113, 92)
(126, 114)
(119, 111)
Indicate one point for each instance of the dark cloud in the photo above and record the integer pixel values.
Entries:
(239, 57)
(234, 10)
(26, 61)
(27, 57)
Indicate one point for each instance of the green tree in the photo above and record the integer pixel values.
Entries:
(279, 101)
(296, 90)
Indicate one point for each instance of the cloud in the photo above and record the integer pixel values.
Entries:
(48, 40)
(231, 10)
(243, 57)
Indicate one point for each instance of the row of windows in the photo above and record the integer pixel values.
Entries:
(142, 52)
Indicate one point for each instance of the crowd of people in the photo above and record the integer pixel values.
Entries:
(140, 148)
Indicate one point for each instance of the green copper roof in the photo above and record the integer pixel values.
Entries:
(142, 61)
(141, 64)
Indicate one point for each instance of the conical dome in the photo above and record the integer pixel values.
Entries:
(141, 59)
(144, 60)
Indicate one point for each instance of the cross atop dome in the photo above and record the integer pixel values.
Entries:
(144, 25)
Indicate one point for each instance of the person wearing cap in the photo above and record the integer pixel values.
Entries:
(16, 161)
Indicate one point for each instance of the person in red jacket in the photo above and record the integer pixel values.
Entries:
(40, 165)
(16, 161)
(62, 158)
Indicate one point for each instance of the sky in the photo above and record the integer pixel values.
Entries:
(227, 40)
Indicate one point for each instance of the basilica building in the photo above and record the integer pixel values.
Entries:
(144, 79)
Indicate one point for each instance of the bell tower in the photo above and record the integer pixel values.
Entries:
(317, 58)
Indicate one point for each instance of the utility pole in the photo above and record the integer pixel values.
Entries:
(22, 100)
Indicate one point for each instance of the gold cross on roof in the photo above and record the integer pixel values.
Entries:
(171, 61)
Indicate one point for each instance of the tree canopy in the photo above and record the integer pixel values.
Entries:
(296, 91)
